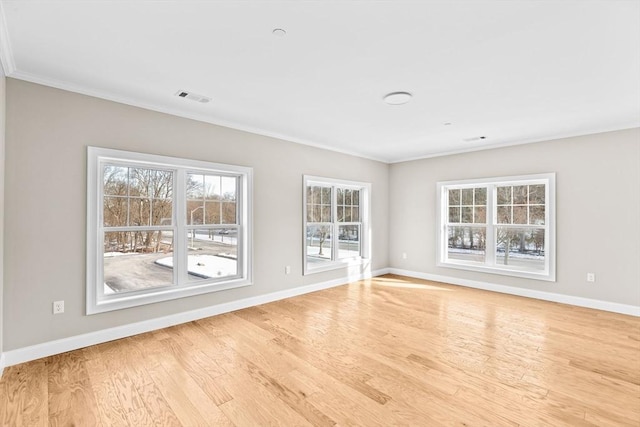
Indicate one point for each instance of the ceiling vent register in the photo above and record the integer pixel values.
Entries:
(193, 96)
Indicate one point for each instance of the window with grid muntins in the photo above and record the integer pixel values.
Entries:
(335, 217)
(161, 228)
(501, 225)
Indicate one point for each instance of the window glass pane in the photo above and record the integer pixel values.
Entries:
(340, 196)
(480, 215)
(212, 212)
(340, 213)
(212, 254)
(520, 249)
(195, 209)
(519, 214)
(318, 243)
(504, 215)
(466, 243)
(536, 194)
(536, 215)
(140, 182)
(504, 195)
(212, 187)
(326, 214)
(137, 260)
(454, 197)
(454, 214)
(317, 213)
(161, 184)
(347, 214)
(347, 197)
(480, 196)
(467, 215)
(161, 212)
(317, 195)
(310, 217)
(467, 196)
(355, 194)
(195, 186)
(115, 180)
(355, 213)
(348, 241)
(139, 212)
(326, 195)
(229, 188)
(115, 211)
(229, 213)
(520, 194)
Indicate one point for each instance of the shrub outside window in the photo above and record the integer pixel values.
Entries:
(499, 225)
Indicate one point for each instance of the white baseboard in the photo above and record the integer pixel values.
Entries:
(26, 354)
(631, 310)
(1, 364)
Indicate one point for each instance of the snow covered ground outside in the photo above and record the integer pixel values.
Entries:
(206, 266)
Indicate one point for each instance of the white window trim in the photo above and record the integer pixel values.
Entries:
(96, 301)
(549, 272)
(365, 232)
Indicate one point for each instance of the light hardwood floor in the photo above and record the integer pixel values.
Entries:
(382, 352)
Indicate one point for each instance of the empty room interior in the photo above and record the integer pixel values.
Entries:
(365, 213)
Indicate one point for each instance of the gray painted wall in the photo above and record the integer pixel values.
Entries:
(48, 131)
(598, 211)
(3, 93)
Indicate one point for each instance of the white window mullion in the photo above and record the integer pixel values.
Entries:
(99, 243)
(180, 245)
(335, 226)
(492, 211)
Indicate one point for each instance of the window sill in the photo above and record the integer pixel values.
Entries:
(542, 275)
(119, 302)
(335, 265)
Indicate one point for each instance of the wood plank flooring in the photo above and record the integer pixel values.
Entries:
(382, 352)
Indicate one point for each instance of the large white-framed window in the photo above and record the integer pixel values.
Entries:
(502, 225)
(336, 224)
(161, 228)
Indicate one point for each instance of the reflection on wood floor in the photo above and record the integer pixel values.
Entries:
(381, 352)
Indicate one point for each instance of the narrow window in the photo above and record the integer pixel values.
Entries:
(335, 222)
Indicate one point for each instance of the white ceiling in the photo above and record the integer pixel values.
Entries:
(514, 72)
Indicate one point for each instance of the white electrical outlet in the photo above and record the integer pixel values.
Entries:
(287, 269)
(591, 277)
(58, 307)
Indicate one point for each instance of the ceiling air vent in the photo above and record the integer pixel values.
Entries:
(193, 96)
